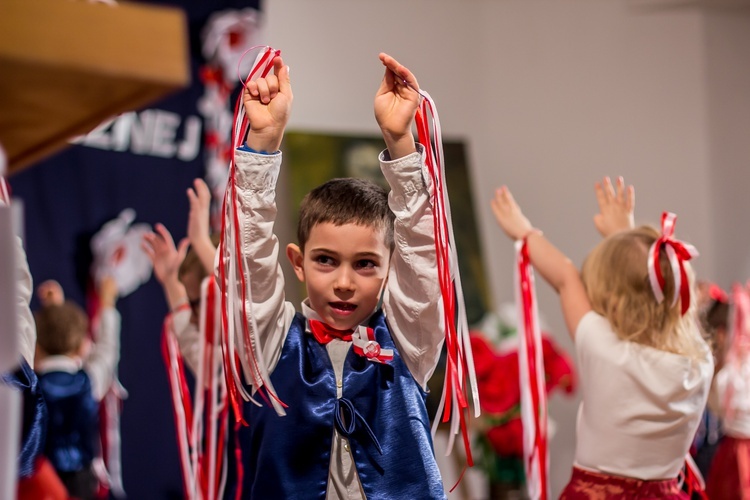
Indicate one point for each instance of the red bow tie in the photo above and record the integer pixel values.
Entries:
(325, 333)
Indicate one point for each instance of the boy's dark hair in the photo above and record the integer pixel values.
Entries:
(346, 201)
(61, 328)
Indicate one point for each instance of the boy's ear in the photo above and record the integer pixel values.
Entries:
(296, 258)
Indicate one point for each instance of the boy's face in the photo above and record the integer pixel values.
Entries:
(343, 268)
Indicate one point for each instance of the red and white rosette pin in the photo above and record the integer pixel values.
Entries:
(678, 252)
(238, 323)
(364, 344)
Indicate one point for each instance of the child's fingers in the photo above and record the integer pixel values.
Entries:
(182, 249)
(281, 71)
(620, 190)
(264, 94)
(609, 191)
(201, 189)
(252, 89)
(165, 234)
(400, 71)
(630, 199)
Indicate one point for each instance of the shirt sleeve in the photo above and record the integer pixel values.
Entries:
(101, 363)
(188, 338)
(257, 174)
(412, 300)
(26, 326)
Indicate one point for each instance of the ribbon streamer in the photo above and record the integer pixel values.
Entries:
(531, 379)
(678, 252)
(203, 452)
(239, 343)
(454, 401)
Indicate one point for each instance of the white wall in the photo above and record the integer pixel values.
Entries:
(550, 95)
(728, 76)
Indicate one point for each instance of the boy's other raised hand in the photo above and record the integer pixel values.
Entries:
(396, 103)
(616, 207)
(268, 103)
(509, 216)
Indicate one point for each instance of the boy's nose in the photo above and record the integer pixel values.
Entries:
(344, 281)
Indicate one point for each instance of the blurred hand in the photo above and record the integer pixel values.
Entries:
(509, 216)
(616, 208)
(50, 293)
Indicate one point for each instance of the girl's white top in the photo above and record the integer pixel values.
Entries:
(641, 406)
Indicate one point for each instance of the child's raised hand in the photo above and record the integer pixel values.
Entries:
(509, 215)
(50, 293)
(396, 103)
(268, 103)
(165, 257)
(198, 219)
(615, 207)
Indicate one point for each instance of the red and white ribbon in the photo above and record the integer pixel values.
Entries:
(531, 379)
(4, 192)
(203, 451)
(364, 344)
(694, 482)
(238, 323)
(459, 361)
(678, 252)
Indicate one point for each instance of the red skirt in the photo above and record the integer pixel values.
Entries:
(729, 476)
(587, 485)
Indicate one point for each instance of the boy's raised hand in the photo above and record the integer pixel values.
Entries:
(616, 207)
(395, 106)
(268, 103)
(509, 215)
(165, 257)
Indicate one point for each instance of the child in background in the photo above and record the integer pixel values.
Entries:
(352, 374)
(74, 376)
(181, 271)
(730, 470)
(713, 311)
(644, 369)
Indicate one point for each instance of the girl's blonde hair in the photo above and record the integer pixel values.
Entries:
(615, 275)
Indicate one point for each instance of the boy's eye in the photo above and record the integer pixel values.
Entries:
(366, 264)
(325, 260)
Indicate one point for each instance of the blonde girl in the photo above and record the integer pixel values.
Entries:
(645, 371)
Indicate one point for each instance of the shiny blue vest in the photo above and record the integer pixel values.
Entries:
(25, 380)
(73, 419)
(382, 409)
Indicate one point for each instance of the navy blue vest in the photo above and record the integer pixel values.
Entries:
(73, 419)
(382, 408)
(24, 379)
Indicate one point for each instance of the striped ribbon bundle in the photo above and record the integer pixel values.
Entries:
(531, 378)
(202, 424)
(454, 402)
(238, 322)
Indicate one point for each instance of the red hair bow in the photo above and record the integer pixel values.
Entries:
(678, 252)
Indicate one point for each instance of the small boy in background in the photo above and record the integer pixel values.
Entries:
(74, 375)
